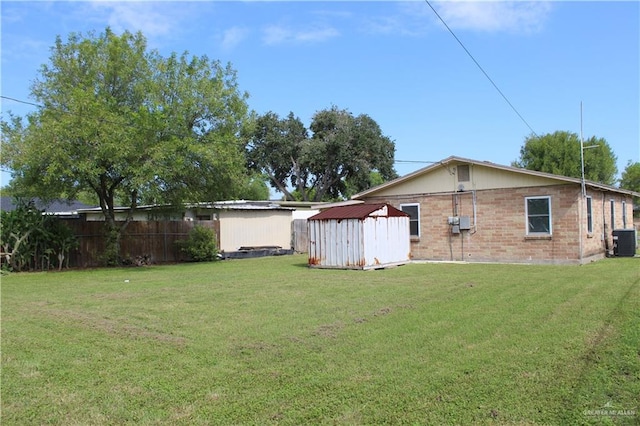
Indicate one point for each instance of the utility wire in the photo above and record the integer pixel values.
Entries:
(62, 111)
(481, 69)
(68, 112)
(20, 102)
(101, 120)
(415, 162)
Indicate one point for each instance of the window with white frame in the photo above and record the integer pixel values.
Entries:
(589, 215)
(624, 215)
(538, 211)
(413, 210)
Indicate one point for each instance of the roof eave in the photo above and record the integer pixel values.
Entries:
(456, 159)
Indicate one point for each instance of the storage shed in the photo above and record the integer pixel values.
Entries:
(362, 236)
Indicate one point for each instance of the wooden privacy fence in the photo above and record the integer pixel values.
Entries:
(299, 236)
(154, 241)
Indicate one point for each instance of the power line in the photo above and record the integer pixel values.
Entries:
(73, 113)
(415, 162)
(481, 69)
(21, 102)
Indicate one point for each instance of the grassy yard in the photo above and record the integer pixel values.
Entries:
(269, 341)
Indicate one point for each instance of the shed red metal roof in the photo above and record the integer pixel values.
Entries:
(358, 211)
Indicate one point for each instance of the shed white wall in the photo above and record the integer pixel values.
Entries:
(304, 213)
(254, 228)
(387, 240)
(336, 243)
(359, 244)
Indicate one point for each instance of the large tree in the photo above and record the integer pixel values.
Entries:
(630, 179)
(276, 148)
(559, 153)
(343, 155)
(126, 123)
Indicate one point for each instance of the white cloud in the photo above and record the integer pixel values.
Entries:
(318, 34)
(415, 18)
(153, 19)
(509, 16)
(411, 18)
(274, 34)
(233, 37)
(277, 34)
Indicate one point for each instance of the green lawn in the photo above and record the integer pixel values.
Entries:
(270, 341)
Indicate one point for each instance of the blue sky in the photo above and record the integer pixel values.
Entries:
(394, 61)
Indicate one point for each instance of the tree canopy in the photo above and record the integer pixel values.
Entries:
(339, 155)
(126, 123)
(630, 179)
(559, 153)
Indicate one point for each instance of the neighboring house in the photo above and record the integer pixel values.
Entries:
(241, 223)
(468, 210)
(61, 208)
(245, 224)
(253, 223)
(141, 213)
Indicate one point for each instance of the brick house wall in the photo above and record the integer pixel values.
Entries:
(605, 222)
(498, 222)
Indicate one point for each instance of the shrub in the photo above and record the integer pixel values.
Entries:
(30, 240)
(201, 244)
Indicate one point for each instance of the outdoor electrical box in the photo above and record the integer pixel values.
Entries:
(465, 223)
(459, 223)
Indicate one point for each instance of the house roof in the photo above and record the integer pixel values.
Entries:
(242, 205)
(57, 207)
(358, 211)
(216, 205)
(455, 160)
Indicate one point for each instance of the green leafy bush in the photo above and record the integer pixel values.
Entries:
(31, 241)
(201, 244)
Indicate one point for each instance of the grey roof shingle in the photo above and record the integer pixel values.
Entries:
(56, 206)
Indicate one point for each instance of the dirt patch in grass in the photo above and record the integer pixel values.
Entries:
(595, 340)
(328, 330)
(247, 348)
(116, 296)
(382, 311)
(113, 327)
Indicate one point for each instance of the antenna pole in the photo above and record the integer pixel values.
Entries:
(583, 198)
(584, 190)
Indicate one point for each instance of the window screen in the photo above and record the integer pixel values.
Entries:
(613, 214)
(589, 215)
(413, 210)
(538, 215)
